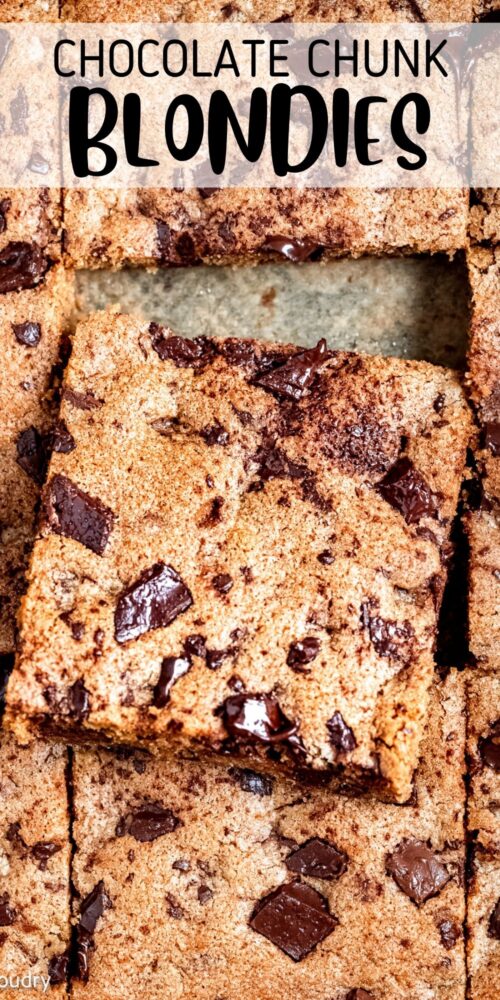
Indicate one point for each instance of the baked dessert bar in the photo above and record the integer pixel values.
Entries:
(267, 10)
(483, 742)
(35, 306)
(34, 214)
(243, 550)
(224, 883)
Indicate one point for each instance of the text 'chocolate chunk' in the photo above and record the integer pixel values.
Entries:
(294, 917)
(153, 601)
(71, 512)
(417, 870)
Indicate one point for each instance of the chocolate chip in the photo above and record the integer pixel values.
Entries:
(386, 636)
(296, 250)
(438, 403)
(295, 376)
(43, 852)
(273, 463)
(153, 601)
(174, 909)
(326, 557)
(78, 701)
(450, 933)
(302, 652)
(8, 915)
(257, 717)
(341, 736)
(182, 352)
(22, 265)
(489, 748)
(27, 334)
(250, 781)
(71, 512)
(359, 994)
(215, 434)
(172, 668)
(492, 438)
(222, 583)
(318, 859)
(214, 658)
(148, 822)
(5, 203)
(206, 192)
(33, 454)
(194, 645)
(92, 908)
(182, 865)
(205, 894)
(494, 922)
(81, 400)
(62, 441)
(58, 968)
(295, 918)
(238, 352)
(417, 870)
(406, 489)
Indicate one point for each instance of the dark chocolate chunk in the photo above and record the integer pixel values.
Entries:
(32, 454)
(148, 822)
(22, 265)
(194, 645)
(71, 512)
(215, 434)
(405, 488)
(494, 922)
(206, 192)
(174, 909)
(492, 438)
(257, 717)
(386, 636)
(489, 748)
(274, 464)
(8, 915)
(205, 894)
(359, 994)
(417, 870)
(43, 852)
(296, 250)
(341, 735)
(214, 658)
(222, 583)
(172, 668)
(92, 908)
(294, 917)
(318, 859)
(81, 400)
(450, 933)
(5, 203)
(251, 781)
(78, 701)
(296, 375)
(302, 652)
(58, 968)
(153, 601)
(28, 334)
(182, 352)
(62, 441)
(238, 352)
(326, 557)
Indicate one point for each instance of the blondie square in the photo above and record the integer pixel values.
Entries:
(225, 883)
(35, 305)
(483, 745)
(33, 214)
(242, 551)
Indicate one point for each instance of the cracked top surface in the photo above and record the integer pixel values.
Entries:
(243, 549)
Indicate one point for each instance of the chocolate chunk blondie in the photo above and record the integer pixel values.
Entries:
(483, 744)
(223, 882)
(243, 550)
(267, 10)
(35, 306)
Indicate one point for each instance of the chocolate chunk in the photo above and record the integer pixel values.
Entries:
(239, 353)
(205, 894)
(318, 859)
(22, 265)
(81, 400)
(386, 636)
(78, 701)
(489, 748)
(296, 375)
(77, 628)
(174, 909)
(294, 917)
(340, 734)
(164, 240)
(492, 438)
(195, 646)
(250, 781)
(92, 908)
(5, 203)
(148, 822)
(257, 717)
(206, 192)
(32, 454)
(154, 601)
(274, 464)
(417, 870)
(359, 994)
(302, 652)
(406, 489)
(8, 914)
(43, 852)
(450, 933)
(28, 334)
(215, 434)
(62, 441)
(182, 352)
(296, 250)
(71, 512)
(214, 658)
(222, 583)
(172, 668)
(494, 922)
(182, 865)
(326, 557)
(58, 968)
